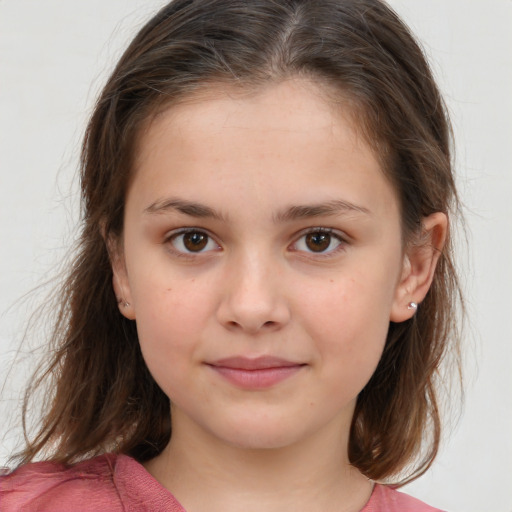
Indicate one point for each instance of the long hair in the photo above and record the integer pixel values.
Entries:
(101, 396)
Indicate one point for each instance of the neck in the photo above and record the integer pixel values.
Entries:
(208, 475)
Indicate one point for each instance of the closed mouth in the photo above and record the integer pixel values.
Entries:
(255, 373)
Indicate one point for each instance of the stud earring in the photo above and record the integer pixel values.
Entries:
(123, 302)
(412, 305)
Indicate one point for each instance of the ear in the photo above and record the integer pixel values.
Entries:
(419, 265)
(120, 281)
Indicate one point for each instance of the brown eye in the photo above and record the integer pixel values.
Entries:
(193, 242)
(318, 242)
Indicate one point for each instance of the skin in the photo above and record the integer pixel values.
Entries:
(260, 287)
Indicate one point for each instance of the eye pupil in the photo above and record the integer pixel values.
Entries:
(318, 242)
(195, 241)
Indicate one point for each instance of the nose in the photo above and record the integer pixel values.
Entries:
(253, 300)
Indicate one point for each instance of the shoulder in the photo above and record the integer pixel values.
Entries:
(116, 483)
(51, 486)
(387, 499)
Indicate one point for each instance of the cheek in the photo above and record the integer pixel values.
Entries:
(170, 315)
(349, 322)
(350, 308)
(169, 301)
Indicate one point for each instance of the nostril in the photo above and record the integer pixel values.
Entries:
(252, 315)
(270, 324)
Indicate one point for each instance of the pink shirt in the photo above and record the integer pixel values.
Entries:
(119, 483)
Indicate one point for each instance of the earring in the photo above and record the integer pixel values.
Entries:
(412, 305)
(123, 302)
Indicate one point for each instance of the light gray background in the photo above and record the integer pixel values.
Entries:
(54, 56)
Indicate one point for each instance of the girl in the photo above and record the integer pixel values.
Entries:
(264, 290)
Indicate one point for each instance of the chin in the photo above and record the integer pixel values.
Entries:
(261, 436)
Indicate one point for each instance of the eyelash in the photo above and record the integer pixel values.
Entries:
(184, 231)
(310, 231)
(333, 234)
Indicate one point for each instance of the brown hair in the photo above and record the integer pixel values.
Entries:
(102, 397)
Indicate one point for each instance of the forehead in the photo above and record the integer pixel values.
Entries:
(302, 97)
(228, 104)
(287, 134)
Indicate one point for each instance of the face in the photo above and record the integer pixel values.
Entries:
(262, 260)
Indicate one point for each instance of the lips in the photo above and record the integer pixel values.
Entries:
(258, 373)
(258, 363)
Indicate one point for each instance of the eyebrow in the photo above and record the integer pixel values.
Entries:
(331, 208)
(187, 207)
(198, 210)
